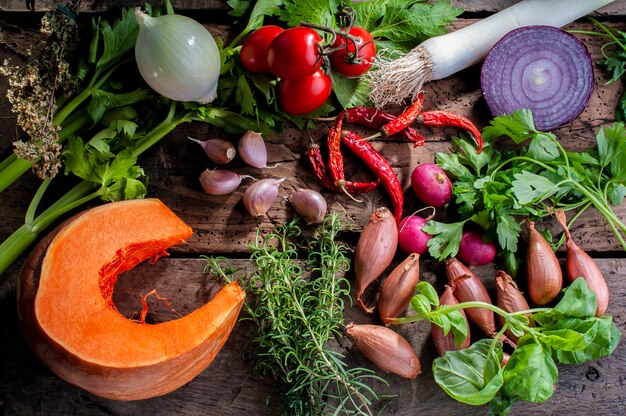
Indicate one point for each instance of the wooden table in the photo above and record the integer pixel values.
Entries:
(221, 226)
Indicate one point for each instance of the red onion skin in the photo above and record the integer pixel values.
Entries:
(555, 53)
(509, 298)
(387, 349)
(545, 278)
(443, 342)
(398, 288)
(580, 264)
(374, 251)
(467, 288)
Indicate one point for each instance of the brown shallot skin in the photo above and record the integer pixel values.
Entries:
(443, 342)
(580, 264)
(509, 298)
(387, 349)
(398, 288)
(467, 288)
(374, 251)
(545, 278)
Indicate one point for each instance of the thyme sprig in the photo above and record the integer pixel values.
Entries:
(297, 318)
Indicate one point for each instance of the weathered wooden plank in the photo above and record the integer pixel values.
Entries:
(480, 6)
(229, 386)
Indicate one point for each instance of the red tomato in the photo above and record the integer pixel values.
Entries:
(302, 95)
(294, 53)
(346, 61)
(254, 49)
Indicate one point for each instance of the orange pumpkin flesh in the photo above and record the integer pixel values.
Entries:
(69, 319)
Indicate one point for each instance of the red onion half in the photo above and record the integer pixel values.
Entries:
(541, 68)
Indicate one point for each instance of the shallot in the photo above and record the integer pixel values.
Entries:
(468, 288)
(509, 298)
(387, 349)
(252, 149)
(579, 264)
(218, 151)
(220, 182)
(310, 204)
(545, 279)
(398, 288)
(374, 251)
(443, 342)
(259, 197)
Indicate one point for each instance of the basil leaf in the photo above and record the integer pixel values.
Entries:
(578, 300)
(530, 374)
(460, 328)
(421, 305)
(429, 292)
(604, 343)
(500, 405)
(473, 375)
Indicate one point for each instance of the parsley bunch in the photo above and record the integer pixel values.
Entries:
(494, 188)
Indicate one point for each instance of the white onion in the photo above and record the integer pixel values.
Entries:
(177, 57)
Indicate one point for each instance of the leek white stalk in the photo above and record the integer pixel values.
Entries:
(392, 82)
(177, 57)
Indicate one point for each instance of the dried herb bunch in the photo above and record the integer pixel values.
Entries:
(298, 318)
(34, 86)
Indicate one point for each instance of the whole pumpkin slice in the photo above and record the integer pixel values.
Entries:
(68, 317)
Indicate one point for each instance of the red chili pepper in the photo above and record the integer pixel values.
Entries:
(375, 119)
(405, 119)
(379, 166)
(448, 119)
(321, 173)
(335, 159)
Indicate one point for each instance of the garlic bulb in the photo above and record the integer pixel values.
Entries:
(177, 57)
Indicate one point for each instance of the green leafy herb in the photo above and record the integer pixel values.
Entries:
(495, 187)
(569, 333)
(296, 317)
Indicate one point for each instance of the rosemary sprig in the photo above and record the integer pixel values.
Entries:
(297, 318)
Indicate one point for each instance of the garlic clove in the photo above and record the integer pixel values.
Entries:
(259, 197)
(310, 204)
(252, 149)
(218, 151)
(220, 182)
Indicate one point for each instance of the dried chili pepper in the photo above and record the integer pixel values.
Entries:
(335, 158)
(379, 166)
(404, 120)
(321, 173)
(375, 119)
(448, 119)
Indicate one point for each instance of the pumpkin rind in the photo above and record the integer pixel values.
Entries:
(73, 327)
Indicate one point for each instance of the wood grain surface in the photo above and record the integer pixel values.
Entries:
(221, 226)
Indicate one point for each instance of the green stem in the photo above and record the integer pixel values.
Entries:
(528, 159)
(32, 207)
(7, 161)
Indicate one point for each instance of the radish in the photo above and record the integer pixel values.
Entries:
(411, 237)
(474, 251)
(431, 185)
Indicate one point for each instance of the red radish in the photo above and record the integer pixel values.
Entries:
(431, 185)
(474, 251)
(411, 238)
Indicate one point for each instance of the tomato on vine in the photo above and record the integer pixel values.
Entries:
(302, 95)
(255, 47)
(295, 53)
(353, 57)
